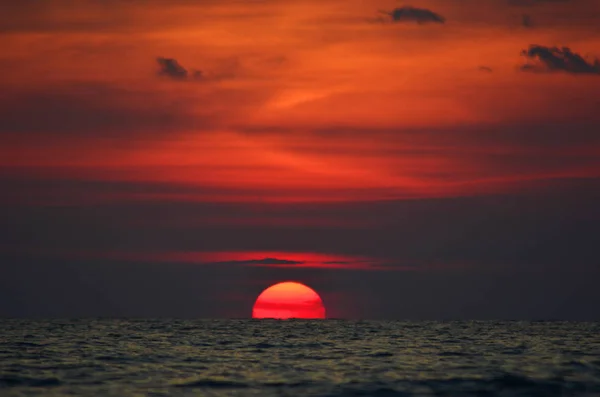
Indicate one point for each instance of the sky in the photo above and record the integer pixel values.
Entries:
(438, 159)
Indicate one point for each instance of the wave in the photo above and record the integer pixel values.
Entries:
(12, 381)
(211, 384)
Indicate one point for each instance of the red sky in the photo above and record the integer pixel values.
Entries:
(267, 123)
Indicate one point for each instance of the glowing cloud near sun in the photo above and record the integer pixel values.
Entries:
(289, 300)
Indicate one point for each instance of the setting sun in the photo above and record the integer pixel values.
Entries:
(288, 300)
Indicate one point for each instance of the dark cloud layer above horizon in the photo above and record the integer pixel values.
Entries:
(516, 244)
(91, 289)
(542, 228)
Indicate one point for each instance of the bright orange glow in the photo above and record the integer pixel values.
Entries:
(288, 300)
(316, 106)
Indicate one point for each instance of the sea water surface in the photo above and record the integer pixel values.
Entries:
(105, 357)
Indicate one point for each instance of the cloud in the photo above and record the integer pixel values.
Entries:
(412, 14)
(526, 21)
(552, 226)
(554, 59)
(225, 69)
(171, 68)
(260, 262)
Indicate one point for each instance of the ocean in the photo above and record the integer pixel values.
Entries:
(127, 357)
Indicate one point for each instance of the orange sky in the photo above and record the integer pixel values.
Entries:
(299, 100)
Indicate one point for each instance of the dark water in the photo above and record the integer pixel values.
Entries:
(298, 358)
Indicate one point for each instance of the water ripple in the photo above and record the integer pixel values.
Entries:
(298, 358)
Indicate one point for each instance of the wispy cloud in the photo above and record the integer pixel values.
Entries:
(310, 260)
(260, 262)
